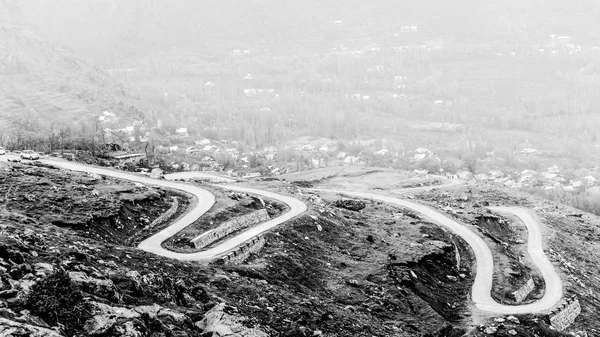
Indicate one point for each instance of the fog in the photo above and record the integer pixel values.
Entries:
(468, 85)
(299, 168)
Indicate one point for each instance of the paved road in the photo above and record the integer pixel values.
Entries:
(205, 200)
(481, 293)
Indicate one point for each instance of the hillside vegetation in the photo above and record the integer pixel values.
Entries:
(47, 91)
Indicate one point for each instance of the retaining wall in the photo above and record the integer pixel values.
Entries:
(563, 316)
(241, 253)
(168, 214)
(524, 291)
(229, 227)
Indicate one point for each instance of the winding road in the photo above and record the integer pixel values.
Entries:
(482, 286)
(205, 200)
(481, 292)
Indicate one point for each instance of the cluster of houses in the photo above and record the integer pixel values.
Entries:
(549, 179)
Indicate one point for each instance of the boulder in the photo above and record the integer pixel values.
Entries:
(93, 285)
(128, 329)
(151, 310)
(120, 312)
(28, 318)
(82, 278)
(172, 315)
(99, 324)
(156, 173)
(43, 269)
(218, 323)
(94, 176)
(12, 328)
(134, 275)
(490, 330)
(349, 204)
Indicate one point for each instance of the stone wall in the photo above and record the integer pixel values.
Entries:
(563, 316)
(166, 215)
(241, 253)
(229, 227)
(524, 291)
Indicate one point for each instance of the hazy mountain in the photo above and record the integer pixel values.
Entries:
(109, 29)
(45, 83)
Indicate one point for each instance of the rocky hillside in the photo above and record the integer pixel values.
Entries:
(345, 268)
(44, 83)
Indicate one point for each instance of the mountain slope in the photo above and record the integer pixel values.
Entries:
(44, 83)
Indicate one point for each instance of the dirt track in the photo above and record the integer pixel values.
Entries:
(481, 293)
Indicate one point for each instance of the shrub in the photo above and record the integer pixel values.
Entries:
(57, 300)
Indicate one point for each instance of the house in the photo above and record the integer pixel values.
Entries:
(270, 155)
(191, 150)
(324, 148)
(251, 175)
(481, 177)
(207, 160)
(203, 142)
(528, 151)
(307, 148)
(233, 152)
(527, 176)
(248, 77)
(421, 173)
(244, 160)
(123, 156)
(381, 152)
(182, 131)
(549, 175)
(465, 175)
(495, 174)
(421, 153)
(554, 169)
(438, 102)
(351, 159)
(589, 180)
(209, 84)
(174, 148)
(341, 155)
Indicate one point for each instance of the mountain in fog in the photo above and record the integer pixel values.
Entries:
(45, 84)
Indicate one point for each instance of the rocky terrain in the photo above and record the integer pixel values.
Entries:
(105, 209)
(345, 268)
(228, 205)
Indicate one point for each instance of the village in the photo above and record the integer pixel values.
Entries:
(305, 153)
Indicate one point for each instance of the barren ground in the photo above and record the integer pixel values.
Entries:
(380, 271)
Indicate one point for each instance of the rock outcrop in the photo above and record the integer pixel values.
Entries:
(218, 323)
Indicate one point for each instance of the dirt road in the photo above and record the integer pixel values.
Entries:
(205, 201)
(481, 293)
